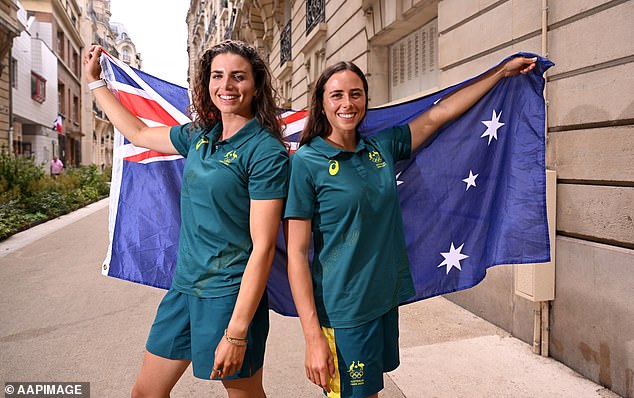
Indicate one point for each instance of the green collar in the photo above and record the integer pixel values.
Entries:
(329, 151)
(243, 135)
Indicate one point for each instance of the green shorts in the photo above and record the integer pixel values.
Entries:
(190, 328)
(362, 354)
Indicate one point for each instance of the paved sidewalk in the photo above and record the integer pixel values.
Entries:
(63, 321)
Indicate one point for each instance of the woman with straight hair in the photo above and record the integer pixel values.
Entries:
(342, 190)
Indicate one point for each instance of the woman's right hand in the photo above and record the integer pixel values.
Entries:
(319, 362)
(92, 67)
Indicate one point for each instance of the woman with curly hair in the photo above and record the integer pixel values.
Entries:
(215, 314)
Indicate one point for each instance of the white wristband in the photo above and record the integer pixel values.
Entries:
(96, 84)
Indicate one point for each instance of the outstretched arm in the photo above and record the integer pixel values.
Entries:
(264, 224)
(319, 361)
(461, 100)
(137, 132)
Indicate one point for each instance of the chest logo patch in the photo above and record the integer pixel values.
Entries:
(375, 157)
(229, 157)
(333, 167)
(203, 140)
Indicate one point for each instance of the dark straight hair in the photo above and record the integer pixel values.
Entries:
(317, 124)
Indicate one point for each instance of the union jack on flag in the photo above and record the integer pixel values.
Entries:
(473, 198)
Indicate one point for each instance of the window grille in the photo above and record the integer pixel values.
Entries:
(315, 13)
(285, 43)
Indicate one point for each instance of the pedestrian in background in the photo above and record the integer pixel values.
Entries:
(343, 191)
(215, 314)
(56, 167)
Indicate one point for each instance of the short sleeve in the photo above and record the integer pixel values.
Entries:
(268, 171)
(397, 140)
(182, 137)
(301, 190)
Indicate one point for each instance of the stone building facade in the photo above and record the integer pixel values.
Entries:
(58, 26)
(10, 27)
(44, 73)
(34, 88)
(409, 47)
(97, 28)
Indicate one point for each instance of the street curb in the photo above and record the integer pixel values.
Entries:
(30, 235)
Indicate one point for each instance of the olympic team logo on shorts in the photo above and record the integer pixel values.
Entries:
(376, 158)
(356, 373)
(229, 157)
(333, 167)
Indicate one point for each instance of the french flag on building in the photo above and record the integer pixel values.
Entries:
(57, 124)
(474, 197)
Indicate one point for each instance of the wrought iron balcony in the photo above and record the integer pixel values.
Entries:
(232, 21)
(315, 13)
(285, 43)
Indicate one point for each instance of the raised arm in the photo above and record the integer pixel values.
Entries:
(137, 132)
(319, 362)
(461, 100)
(264, 225)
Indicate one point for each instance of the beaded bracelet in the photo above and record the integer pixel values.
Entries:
(237, 341)
(96, 84)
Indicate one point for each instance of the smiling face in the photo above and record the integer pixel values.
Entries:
(232, 84)
(344, 102)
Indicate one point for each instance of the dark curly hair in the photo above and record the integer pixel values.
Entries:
(317, 124)
(265, 110)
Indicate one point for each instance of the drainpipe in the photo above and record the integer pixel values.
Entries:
(541, 326)
(11, 80)
(545, 305)
(545, 53)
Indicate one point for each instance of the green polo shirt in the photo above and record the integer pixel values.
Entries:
(219, 181)
(360, 268)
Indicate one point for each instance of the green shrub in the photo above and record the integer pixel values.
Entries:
(29, 196)
(18, 172)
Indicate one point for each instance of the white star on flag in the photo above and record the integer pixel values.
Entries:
(492, 126)
(399, 182)
(470, 180)
(452, 259)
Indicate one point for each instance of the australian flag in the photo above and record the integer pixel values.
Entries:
(472, 198)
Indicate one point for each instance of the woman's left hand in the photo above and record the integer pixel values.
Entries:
(519, 65)
(227, 359)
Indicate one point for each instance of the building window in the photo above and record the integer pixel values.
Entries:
(232, 20)
(414, 62)
(61, 100)
(14, 73)
(60, 44)
(315, 13)
(38, 88)
(75, 63)
(285, 43)
(126, 55)
(26, 150)
(75, 109)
